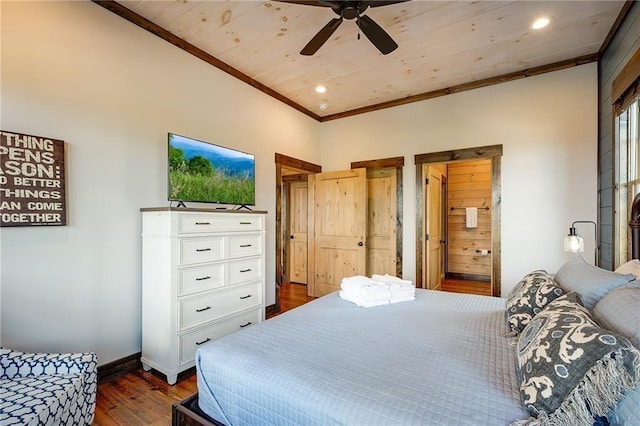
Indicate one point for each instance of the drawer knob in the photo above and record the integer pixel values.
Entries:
(246, 325)
(245, 270)
(203, 223)
(245, 297)
(203, 309)
(204, 249)
(245, 245)
(203, 278)
(204, 341)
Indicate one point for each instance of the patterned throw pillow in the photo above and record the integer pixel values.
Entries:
(528, 298)
(570, 369)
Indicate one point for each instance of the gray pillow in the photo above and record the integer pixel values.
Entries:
(619, 311)
(570, 369)
(589, 281)
(528, 298)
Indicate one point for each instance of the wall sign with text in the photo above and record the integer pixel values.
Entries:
(32, 185)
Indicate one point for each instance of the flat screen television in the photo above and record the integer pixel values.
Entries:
(207, 173)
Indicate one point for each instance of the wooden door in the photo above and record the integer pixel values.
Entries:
(381, 221)
(434, 228)
(340, 220)
(297, 223)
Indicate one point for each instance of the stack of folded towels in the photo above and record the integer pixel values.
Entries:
(377, 290)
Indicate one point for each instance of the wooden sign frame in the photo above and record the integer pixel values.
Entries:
(32, 180)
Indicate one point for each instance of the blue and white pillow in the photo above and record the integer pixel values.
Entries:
(529, 297)
(570, 369)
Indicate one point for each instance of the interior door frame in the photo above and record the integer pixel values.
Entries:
(492, 152)
(285, 165)
(398, 164)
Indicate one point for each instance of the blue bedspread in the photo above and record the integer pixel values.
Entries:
(438, 360)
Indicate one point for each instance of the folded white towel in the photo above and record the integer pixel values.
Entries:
(365, 303)
(377, 290)
(391, 280)
(373, 293)
(360, 283)
(370, 287)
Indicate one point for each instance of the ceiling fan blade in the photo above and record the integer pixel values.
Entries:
(376, 35)
(378, 3)
(323, 35)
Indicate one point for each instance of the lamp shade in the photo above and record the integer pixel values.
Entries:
(574, 243)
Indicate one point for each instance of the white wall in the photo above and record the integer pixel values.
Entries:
(76, 72)
(112, 91)
(547, 126)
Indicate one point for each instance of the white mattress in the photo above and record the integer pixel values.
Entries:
(438, 360)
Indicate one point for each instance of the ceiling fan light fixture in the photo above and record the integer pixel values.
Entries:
(541, 22)
(348, 10)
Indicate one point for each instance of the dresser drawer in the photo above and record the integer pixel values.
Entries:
(198, 310)
(199, 250)
(200, 278)
(245, 245)
(189, 224)
(245, 270)
(190, 342)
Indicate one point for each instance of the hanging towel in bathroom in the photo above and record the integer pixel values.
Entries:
(471, 217)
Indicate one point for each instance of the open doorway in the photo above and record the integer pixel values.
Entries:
(299, 182)
(458, 219)
(291, 181)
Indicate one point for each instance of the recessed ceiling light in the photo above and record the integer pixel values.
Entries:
(321, 89)
(540, 23)
(323, 106)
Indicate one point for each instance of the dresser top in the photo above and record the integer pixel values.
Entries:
(205, 210)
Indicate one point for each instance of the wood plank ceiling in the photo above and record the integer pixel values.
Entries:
(444, 46)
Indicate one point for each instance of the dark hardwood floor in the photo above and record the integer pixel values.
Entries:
(466, 286)
(145, 398)
(293, 295)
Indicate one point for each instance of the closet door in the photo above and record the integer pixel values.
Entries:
(340, 226)
(297, 262)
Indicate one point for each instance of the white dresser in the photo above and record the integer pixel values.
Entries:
(203, 276)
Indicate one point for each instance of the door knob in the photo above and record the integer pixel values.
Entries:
(291, 237)
(360, 243)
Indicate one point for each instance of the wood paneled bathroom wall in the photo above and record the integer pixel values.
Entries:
(469, 185)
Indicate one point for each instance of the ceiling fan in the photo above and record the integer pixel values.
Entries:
(350, 10)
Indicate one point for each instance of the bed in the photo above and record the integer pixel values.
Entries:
(559, 349)
(442, 359)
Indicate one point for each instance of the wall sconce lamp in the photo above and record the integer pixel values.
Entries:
(574, 243)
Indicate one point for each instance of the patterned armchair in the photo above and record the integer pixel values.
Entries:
(47, 389)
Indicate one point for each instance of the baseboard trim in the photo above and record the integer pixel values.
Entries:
(469, 277)
(270, 311)
(118, 368)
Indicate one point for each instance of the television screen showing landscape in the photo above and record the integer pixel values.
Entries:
(204, 172)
